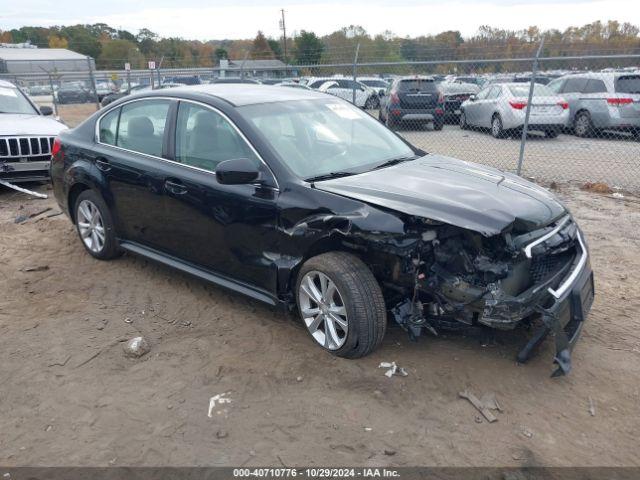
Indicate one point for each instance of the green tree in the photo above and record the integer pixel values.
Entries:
(80, 40)
(276, 48)
(115, 53)
(308, 48)
(221, 53)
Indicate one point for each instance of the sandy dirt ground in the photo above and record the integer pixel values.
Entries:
(69, 395)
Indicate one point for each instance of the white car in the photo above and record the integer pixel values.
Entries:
(502, 108)
(26, 136)
(343, 87)
(378, 84)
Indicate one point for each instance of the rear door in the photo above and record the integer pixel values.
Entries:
(572, 93)
(129, 153)
(488, 106)
(418, 94)
(473, 108)
(594, 98)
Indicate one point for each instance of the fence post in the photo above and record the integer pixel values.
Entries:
(355, 71)
(525, 127)
(53, 95)
(128, 81)
(246, 55)
(92, 79)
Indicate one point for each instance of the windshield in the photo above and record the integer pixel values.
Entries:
(13, 101)
(319, 137)
(538, 91)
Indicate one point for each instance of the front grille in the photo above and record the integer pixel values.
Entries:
(545, 266)
(34, 148)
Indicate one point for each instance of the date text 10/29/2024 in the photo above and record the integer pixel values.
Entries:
(315, 473)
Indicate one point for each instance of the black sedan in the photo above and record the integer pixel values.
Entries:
(303, 201)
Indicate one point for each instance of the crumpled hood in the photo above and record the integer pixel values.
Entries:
(12, 124)
(455, 192)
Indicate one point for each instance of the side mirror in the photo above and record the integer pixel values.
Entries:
(46, 110)
(473, 97)
(237, 171)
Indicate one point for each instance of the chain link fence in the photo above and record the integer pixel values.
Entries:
(582, 113)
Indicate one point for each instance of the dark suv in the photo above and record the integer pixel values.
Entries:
(302, 200)
(414, 101)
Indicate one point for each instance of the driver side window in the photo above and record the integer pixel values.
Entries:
(204, 138)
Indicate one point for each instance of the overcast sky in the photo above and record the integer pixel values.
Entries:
(218, 19)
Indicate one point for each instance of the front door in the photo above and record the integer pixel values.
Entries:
(223, 228)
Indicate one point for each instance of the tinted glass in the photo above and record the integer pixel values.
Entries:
(416, 85)
(315, 137)
(595, 86)
(628, 84)
(375, 83)
(523, 91)
(109, 126)
(204, 138)
(142, 126)
(574, 85)
(556, 85)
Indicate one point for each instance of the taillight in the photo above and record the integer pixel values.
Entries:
(564, 105)
(56, 150)
(518, 105)
(394, 98)
(619, 101)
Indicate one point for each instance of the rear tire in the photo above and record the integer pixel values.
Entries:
(390, 123)
(553, 133)
(95, 226)
(463, 121)
(497, 130)
(582, 125)
(438, 124)
(356, 297)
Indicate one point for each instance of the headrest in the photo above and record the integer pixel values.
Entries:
(140, 127)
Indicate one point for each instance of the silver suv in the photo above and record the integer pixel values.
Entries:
(26, 136)
(601, 101)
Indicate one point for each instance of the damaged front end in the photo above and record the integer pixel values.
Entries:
(456, 278)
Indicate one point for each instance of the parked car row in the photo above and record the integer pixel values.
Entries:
(582, 104)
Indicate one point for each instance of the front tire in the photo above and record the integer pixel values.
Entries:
(438, 124)
(95, 226)
(341, 304)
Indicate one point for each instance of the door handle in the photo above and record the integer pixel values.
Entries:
(175, 187)
(103, 165)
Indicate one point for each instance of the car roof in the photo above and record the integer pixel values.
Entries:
(240, 94)
(4, 83)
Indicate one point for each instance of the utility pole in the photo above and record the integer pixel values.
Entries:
(283, 27)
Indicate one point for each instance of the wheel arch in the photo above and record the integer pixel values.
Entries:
(74, 192)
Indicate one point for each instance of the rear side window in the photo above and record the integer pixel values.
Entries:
(595, 86)
(417, 85)
(574, 85)
(141, 126)
(628, 84)
(108, 127)
(494, 93)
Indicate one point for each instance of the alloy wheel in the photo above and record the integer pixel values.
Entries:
(323, 310)
(91, 226)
